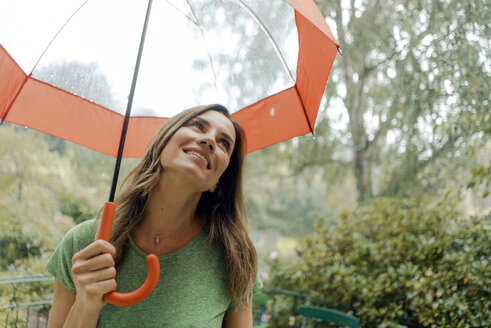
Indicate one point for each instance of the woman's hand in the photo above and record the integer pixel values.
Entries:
(94, 275)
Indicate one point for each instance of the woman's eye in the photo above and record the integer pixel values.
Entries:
(225, 144)
(197, 124)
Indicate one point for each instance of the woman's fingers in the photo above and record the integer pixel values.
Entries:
(95, 248)
(96, 256)
(95, 263)
(107, 286)
(97, 276)
(97, 283)
(94, 274)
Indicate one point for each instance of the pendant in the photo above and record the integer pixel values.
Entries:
(157, 239)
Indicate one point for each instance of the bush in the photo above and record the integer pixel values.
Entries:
(78, 208)
(397, 261)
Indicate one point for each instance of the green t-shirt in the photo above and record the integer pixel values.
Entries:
(191, 292)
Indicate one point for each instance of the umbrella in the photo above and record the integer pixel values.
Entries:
(71, 71)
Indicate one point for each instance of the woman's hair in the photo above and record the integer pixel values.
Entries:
(222, 212)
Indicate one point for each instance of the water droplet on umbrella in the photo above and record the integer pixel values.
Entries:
(271, 111)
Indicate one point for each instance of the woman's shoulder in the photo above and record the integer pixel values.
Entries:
(84, 227)
(60, 262)
(83, 233)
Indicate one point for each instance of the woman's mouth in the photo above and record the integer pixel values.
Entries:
(200, 156)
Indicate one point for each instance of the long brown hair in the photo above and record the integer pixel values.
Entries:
(222, 212)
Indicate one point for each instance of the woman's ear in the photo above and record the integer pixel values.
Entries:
(214, 188)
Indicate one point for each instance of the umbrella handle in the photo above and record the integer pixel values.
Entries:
(125, 299)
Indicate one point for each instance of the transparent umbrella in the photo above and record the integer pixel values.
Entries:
(67, 68)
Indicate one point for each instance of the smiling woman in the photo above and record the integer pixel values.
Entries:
(183, 201)
(207, 140)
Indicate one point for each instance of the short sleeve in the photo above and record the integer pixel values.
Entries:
(258, 284)
(60, 262)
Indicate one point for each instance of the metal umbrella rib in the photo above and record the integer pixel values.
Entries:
(210, 58)
(270, 38)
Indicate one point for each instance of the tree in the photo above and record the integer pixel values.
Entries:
(288, 204)
(412, 80)
(31, 177)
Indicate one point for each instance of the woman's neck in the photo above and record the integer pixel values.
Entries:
(170, 218)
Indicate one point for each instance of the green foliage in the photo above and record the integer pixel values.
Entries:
(46, 185)
(279, 199)
(481, 177)
(16, 246)
(78, 208)
(30, 225)
(411, 90)
(395, 259)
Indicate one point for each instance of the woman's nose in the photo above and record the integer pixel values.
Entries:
(208, 142)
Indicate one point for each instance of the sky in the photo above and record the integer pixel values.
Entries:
(108, 32)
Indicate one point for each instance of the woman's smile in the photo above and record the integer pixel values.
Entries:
(199, 157)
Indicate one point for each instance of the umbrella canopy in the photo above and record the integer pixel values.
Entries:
(66, 66)
(267, 61)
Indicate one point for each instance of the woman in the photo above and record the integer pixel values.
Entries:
(184, 203)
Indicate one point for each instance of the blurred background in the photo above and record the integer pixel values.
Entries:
(383, 213)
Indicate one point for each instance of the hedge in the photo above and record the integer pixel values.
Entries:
(397, 262)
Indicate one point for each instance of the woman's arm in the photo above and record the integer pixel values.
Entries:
(64, 313)
(63, 300)
(240, 317)
(94, 275)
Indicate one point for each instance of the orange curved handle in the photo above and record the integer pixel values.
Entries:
(126, 299)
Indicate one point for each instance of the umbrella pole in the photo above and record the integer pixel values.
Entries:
(104, 231)
(128, 107)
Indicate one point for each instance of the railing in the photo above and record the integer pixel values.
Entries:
(25, 300)
(281, 310)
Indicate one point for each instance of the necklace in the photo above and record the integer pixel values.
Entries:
(183, 233)
(157, 237)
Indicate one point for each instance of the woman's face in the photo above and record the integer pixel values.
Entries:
(200, 150)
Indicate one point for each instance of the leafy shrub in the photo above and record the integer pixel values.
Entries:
(397, 261)
(78, 208)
